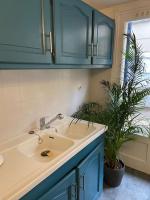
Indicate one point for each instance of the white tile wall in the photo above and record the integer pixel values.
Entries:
(27, 95)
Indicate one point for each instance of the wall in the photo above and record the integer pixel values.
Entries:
(136, 154)
(27, 95)
(97, 92)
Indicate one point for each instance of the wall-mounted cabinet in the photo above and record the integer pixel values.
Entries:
(81, 35)
(22, 24)
(103, 39)
(72, 32)
(54, 34)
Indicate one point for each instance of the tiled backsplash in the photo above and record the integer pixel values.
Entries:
(27, 95)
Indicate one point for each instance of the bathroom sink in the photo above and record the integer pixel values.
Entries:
(50, 148)
(78, 130)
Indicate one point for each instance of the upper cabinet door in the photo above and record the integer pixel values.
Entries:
(25, 31)
(90, 175)
(72, 32)
(103, 39)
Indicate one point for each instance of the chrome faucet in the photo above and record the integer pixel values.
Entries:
(44, 125)
(40, 140)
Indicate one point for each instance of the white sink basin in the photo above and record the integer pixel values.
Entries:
(78, 130)
(55, 145)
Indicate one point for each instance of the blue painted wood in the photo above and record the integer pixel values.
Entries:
(64, 190)
(90, 175)
(49, 66)
(20, 31)
(104, 28)
(54, 178)
(70, 21)
(72, 32)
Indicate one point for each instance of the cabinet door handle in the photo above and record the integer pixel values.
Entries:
(50, 42)
(90, 49)
(95, 46)
(44, 35)
(82, 182)
(43, 27)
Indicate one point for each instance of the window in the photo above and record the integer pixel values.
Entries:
(141, 29)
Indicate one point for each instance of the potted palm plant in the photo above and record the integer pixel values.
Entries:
(123, 106)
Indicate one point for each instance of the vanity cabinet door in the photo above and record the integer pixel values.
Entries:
(103, 39)
(22, 27)
(64, 190)
(90, 175)
(72, 32)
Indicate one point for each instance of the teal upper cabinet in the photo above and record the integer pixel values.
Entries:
(25, 31)
(54, 34)
(72, 32)
(90, 175)
(103, 39)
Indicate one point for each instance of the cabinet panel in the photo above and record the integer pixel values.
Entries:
(64, 190)
(72, 32)
(90, 175)
(21, 31)
(103, 39)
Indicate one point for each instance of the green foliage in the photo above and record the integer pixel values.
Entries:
(125, 100)
(89, 112)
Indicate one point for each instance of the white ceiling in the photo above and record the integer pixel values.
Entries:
(107, 3)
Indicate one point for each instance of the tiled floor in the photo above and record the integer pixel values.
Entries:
(135, 186)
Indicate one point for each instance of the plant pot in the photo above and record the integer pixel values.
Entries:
(113, 177)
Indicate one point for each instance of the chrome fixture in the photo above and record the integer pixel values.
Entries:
(45, 35)
(40, 140)
(44, 125)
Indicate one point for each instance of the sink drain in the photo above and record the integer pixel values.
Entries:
(45, 153)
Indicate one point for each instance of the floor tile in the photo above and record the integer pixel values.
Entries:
(134, 186)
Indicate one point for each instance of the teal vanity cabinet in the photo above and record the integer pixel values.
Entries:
(72, 32)
(80, 178)
(25, 32)
(64, 190)
(90, 175)
(103, 39)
